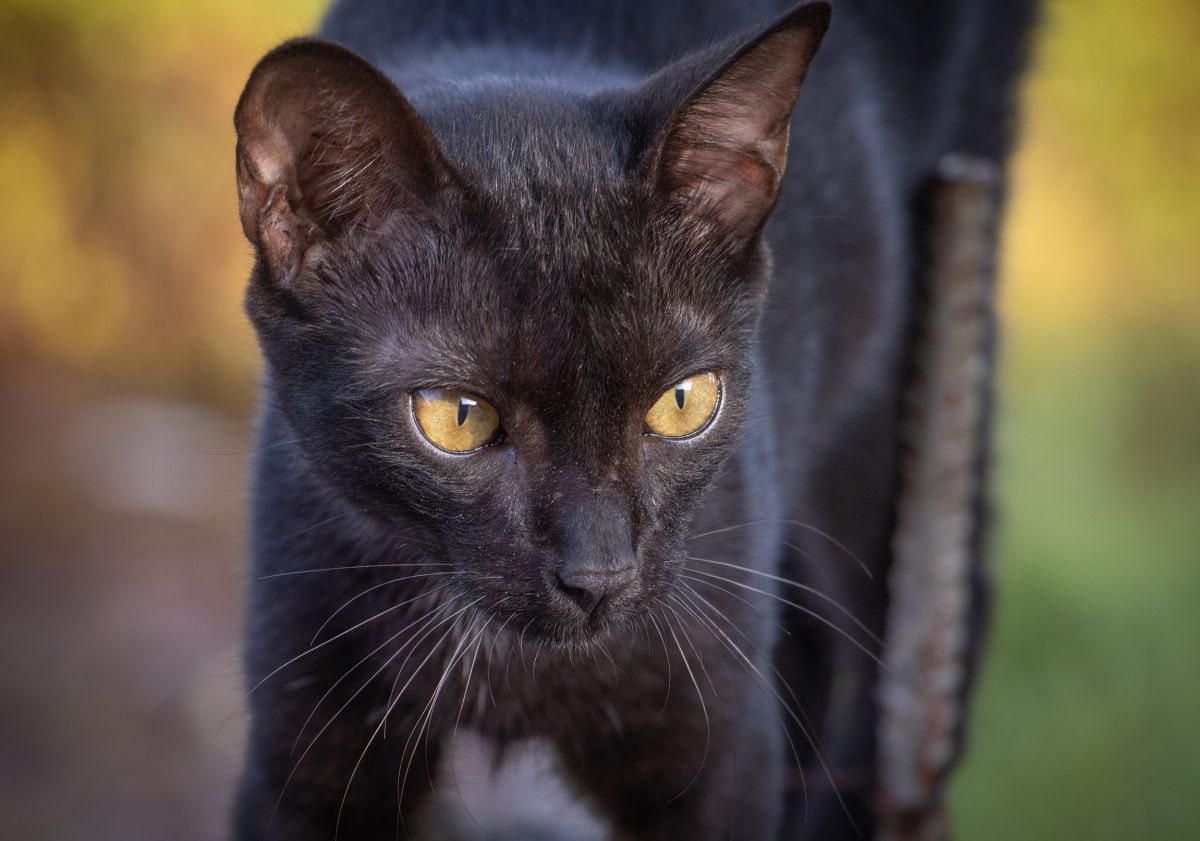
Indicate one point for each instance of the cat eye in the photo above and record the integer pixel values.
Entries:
(454, 420)
(686, 407)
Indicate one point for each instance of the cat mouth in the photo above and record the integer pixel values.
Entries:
(592, 623)
(561, 622)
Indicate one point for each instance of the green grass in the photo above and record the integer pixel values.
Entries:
(1086, 725)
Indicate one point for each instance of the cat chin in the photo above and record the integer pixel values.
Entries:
(568, 636)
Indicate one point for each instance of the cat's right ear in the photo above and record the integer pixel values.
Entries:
(327, 145)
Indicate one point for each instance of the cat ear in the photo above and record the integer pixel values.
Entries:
(326, 143)
(721, 155)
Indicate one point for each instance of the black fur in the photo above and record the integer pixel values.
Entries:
(519, 237)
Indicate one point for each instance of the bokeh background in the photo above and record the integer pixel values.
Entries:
(127, 377)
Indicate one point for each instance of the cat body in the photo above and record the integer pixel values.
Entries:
(581, 629)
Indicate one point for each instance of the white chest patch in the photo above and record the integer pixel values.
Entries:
(482, 795)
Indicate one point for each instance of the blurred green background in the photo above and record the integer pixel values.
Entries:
(127, 373)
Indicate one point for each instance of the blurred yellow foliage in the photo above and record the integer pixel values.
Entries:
(120, 252)
(1103, 236)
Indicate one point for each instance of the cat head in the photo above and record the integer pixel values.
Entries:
(516, 319)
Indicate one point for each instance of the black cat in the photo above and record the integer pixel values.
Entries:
(563, 527)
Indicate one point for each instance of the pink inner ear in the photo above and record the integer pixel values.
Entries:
(330, 145)
(731, 176)
(725, 154)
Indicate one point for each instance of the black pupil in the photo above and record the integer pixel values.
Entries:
(463, 408)
(680, 395)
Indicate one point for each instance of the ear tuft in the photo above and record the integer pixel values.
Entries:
(722, 155)
(326, 143)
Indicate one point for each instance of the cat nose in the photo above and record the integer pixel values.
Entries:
(598, 558)
(588, 587)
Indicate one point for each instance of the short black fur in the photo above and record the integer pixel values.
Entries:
(561, 207)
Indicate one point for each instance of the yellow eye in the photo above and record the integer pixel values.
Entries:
(454, 420)
(686, 407)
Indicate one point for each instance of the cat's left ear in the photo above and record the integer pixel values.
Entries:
(720, 157)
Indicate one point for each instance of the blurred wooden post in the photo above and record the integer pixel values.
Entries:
(929, 638)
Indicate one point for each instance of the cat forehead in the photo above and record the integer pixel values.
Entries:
(539, 339)
(513, 138)
(561, 271)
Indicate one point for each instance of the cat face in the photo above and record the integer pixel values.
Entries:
(518, 327)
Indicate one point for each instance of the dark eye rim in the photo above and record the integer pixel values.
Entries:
(496, 439)
(712, 416)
